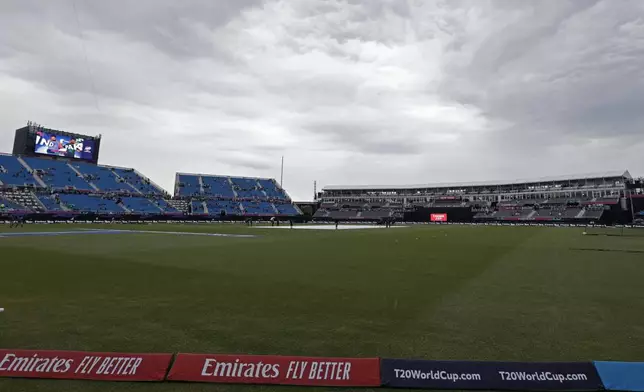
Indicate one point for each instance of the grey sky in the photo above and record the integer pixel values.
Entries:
(350, 92)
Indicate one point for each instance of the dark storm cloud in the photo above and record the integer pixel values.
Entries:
(348, 91)
(372, 138)
(178, 28)
(568, 71)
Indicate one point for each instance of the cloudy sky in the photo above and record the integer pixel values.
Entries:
(350, 92)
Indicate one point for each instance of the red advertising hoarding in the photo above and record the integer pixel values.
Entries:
(438, 217)
(82, 365)
(272, 369)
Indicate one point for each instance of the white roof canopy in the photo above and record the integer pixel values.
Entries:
(578, 177)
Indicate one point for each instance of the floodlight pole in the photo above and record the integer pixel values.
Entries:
(282, 174)
(630, 197)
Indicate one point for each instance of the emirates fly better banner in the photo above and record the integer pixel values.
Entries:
(83, 365)
(273, 369)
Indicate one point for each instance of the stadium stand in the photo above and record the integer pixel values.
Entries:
(234, 196)
(103, 178)
(215, 186)
(248, 188)
(360, 210)
(14, 173)
(550, 213)
(286, 209)
(58, 175)
(581, 198)
(594, 212)
(605, 200)
(137, 181)
(322, 214)
(51, 203)
(343, 214)
(24, 198)
(57, 185)
(376, 214)
(53, 171)
(141, 205)
(258, 208)
(169, 207)
(42, 185)
(188, 185)
(90, 204)
(215, 207)
(9, 205)
(174, 205)
(272, 190)
(198, 207)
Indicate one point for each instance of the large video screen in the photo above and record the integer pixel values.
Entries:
(64, 146)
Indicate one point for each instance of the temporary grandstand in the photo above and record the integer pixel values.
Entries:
(216, 195)
(52, 188)
(593, 197)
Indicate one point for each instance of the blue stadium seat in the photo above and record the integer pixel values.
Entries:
(272, 190)
(141, 205)
(91, 203)
(139, 182)
(229, 194)
(258, 208)
(50, 203)
(287, 209)
(197, 207)
(166, 206)
(188, 185)
(248, 188)
(218, 187)
(57, 174)
(103, 178)
(13, 173)
(229, 207)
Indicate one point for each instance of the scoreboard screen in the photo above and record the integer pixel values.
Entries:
(64, 146)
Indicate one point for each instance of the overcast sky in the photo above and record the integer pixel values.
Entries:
(350, 92)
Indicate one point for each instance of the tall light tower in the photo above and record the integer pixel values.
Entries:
(282, 174)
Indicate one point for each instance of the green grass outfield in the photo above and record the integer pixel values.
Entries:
(439, 292)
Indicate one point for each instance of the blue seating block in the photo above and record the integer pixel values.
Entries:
(197, 207)
(103, 177)
(190, 185)
(137, 181)
(13, 173)
(216, 206)
(272, 190)
(165, 206)
(286, 209)
(91, 203)
(258, 208)
(57, 174)
(141, 205)
(50, 203)
(218, 187)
